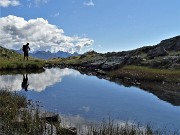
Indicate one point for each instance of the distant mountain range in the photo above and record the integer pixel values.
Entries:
(49, 55)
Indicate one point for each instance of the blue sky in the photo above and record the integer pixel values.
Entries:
(103, 25)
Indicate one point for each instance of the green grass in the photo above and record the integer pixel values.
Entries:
(174, 53)
(19, 64)
(12, 60)
(146, 74)
(20, 116)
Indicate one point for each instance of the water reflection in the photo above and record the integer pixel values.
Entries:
(66, 91)
(25, 83)
(84, 126)
(166, 91)
(37, 82)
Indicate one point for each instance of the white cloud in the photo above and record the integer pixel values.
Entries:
(90, 3)
(55, 15)
(15, 31)
(38, 2)
(7, 3)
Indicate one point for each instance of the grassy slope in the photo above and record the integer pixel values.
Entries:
(12, 60)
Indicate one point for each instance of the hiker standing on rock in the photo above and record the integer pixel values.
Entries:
(26, 49)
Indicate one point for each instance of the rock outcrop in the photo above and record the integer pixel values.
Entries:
(156, 52)
(172, 44)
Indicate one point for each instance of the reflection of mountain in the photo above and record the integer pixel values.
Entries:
(165, 91)
(37, 82)
(49, 55)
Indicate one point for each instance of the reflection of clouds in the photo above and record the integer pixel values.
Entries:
(77, 121)
(85, 126)
(85, 108)
(37, 82)
(11, 82)
(70, 120)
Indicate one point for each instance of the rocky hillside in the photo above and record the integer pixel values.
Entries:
(165, 55)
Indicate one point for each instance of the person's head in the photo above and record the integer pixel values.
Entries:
(27, 44)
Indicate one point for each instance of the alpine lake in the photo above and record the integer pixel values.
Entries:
(81, 99)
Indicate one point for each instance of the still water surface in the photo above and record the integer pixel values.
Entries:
(83, 97)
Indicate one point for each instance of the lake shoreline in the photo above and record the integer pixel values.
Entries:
(162, 83)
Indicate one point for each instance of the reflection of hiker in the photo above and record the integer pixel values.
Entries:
(26, 50)
(25, 84)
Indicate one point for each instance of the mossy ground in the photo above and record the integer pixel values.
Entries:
(146, 74)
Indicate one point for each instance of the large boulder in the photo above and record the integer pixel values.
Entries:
(96, 62)
(156, 52)
(173, 62)
(114, 62)
(109, 65)
(167, 62)
(136, 60)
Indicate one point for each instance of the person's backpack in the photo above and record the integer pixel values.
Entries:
(24, 48)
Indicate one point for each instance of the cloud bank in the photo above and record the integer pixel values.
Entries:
(7, 3)
(16, 31)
